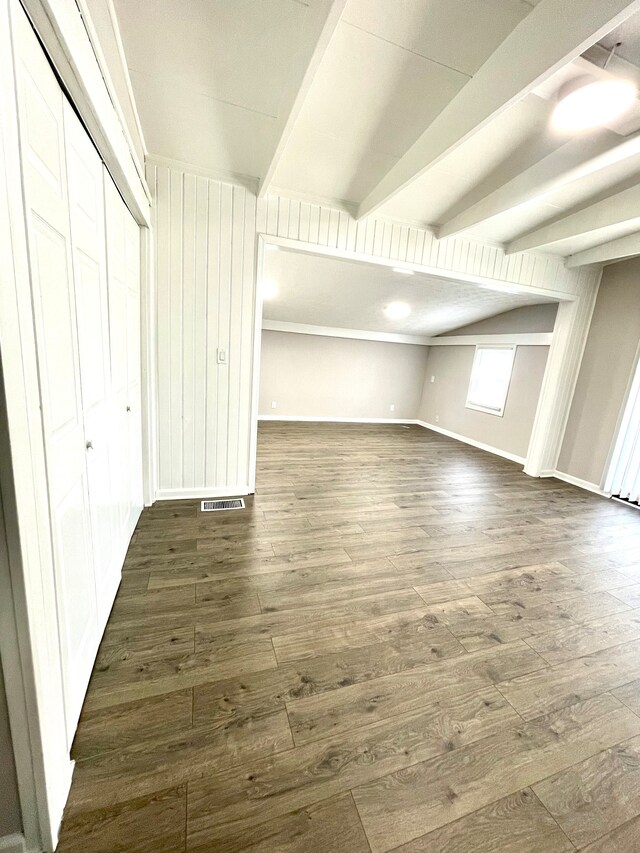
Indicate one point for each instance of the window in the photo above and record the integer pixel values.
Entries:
(490, 377)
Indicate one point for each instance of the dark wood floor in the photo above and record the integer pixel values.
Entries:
(403, 643)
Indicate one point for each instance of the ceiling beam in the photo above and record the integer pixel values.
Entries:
(554, 33)
(322, 18)
(622, 209)
(574, 160)
(605, 253)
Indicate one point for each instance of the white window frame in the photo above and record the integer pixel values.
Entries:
(478, 407)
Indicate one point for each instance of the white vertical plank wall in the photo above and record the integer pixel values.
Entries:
(333, 228)
(205, 246)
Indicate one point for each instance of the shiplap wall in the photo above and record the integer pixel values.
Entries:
(205, 278)
(205, 254)
(334, 228)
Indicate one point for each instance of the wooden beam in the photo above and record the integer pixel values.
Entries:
(614, 250)
(601, 219)
(554, 33)
(566, 164)
(322, 18)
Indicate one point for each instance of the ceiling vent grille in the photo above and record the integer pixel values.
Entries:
(217, 506)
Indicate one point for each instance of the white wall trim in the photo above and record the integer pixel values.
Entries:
(13, 844)
(191, 494)
(331, 420)
(61, 29)
(108, 80)
(512, 457)
(529, 339)
(581, 484)
(249, 182)
(332, 332)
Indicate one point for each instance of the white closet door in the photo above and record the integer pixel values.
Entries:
(123, 264)
(88, 241)
(118, 335)
(134, 399)
(40, 104)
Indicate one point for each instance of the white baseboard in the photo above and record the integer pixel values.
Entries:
(311, 419)
(486, 447)
(191, 494)
(13, 843)
(581, 484)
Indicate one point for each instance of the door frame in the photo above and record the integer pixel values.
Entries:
(565, 353)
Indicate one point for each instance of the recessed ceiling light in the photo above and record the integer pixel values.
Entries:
(587, 103)
(269, 289)
(402, 270)
(397, 310)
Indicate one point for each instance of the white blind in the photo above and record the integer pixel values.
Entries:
(623, 477)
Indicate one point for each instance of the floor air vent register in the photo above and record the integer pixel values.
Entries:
(217, 506)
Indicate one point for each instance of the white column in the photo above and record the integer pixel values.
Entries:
(565, 355)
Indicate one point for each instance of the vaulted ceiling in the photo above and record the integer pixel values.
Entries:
(427, 111)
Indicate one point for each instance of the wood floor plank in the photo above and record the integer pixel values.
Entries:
(576, 641)
(624, 839)
(106, 729)
(316, 716)
(248, 567)
(328, 673)
(153, 824)
(139, 769)
(597, 795)
(515, 824)
(556, 687)
(281, 783)
(430, 794)
(564, 620)
(332, 824)
(392, 627)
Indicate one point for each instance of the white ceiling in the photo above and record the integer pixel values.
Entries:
(320, 290)
(212, 81)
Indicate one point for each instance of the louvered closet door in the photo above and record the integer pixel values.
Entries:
(88, 241)
(40, 105)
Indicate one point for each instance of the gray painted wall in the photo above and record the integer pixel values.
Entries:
(10, 819)
(314, 376)
(443, 401)
(606, 369)
(529, 318)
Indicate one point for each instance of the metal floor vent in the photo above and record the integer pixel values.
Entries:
(216, 506)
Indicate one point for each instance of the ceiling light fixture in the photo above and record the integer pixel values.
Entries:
(269, 289)
(402, 270)
(586, 102)
(397, 310)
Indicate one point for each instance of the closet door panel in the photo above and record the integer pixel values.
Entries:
(88, 240)
(134, 402)
(40, 108)
(118, 329)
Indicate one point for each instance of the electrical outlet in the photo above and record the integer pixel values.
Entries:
(222, 356)
(437, 418)
(273, 404)
(432, 380)
(392, 407)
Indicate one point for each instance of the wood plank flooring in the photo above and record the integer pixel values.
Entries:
(403, 643)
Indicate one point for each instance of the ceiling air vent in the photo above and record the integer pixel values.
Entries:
(216, 506)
